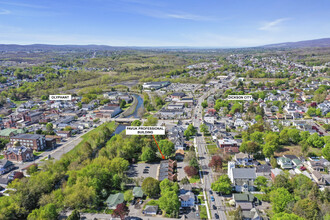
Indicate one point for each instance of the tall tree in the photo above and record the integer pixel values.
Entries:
(121, 211)
(222, 185)
(280, 198)
(150, 186)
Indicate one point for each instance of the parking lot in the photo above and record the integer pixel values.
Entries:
(143, 170)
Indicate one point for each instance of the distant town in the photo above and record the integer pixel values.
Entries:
(263, 158)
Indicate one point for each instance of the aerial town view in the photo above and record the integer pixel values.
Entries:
(162, 110)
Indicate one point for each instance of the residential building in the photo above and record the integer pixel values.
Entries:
(245, 200)
(9, 132)
(18, 153)
(114, 199)
(275, 172)
(187, 199)
(243, 159)
(137, 192)
(5, 166)
(241, 178)
(210, 118)
(228, 145)
(35, 141)
(284, 162)
(150, 210)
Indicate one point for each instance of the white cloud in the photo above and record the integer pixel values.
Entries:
(273, 25)
(22, 5)
(4, 12)
(188, 17)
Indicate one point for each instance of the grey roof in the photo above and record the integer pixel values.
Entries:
(5, 163)
(28, 136)
(186, 187)
(163, 170)
(263, 168)
(16, 150)
(151, 208)
(291, 157)
(244, 173)
(245, 205)
(187, 196)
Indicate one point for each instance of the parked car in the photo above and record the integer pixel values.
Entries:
(214, 207)
(216, 216)
(212, 198)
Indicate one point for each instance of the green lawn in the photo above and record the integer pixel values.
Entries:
(127, 106)
(202, 212)
(18, 102)
(194, 179)
(213, 149)
(37, 153)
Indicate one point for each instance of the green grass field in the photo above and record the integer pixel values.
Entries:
(213, 149)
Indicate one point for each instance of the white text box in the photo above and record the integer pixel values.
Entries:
(145, 130)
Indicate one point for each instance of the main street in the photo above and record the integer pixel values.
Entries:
(204, 158)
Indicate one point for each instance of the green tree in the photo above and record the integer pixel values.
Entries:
(169, 202)
(184, 181)
(45, 212)
(268, 150)
(148, 154)
(286, 216)
(203, 128)
(273, 162)
(32, 169)
(294, 135)
(122, 103)
(315, 140)
(167, 147)
(136, 123)
(326, 151)
(204, 104)
(128, 195)
(257, 137)
(151, 121)
(150, 186)
(222, 185)
(261, 183)
(307, 209)
(118, 165)
(190, 131)
(280, 198)
(194, 163)
(49, 127)
(75, 215)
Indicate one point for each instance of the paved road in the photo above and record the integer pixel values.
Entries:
(56, 153)
(204, 159)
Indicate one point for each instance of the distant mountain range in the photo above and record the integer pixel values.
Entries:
(48, 47)
(324, 42)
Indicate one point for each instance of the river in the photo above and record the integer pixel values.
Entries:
(121, 127)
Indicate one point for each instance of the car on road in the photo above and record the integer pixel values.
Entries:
(216, 216)
(214, 207)
(211, 192)
(212, 198)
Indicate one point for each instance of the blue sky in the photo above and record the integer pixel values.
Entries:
(197, 23)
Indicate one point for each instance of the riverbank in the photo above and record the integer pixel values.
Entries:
(131, 109)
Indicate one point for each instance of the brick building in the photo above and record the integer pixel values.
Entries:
(35, 141)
